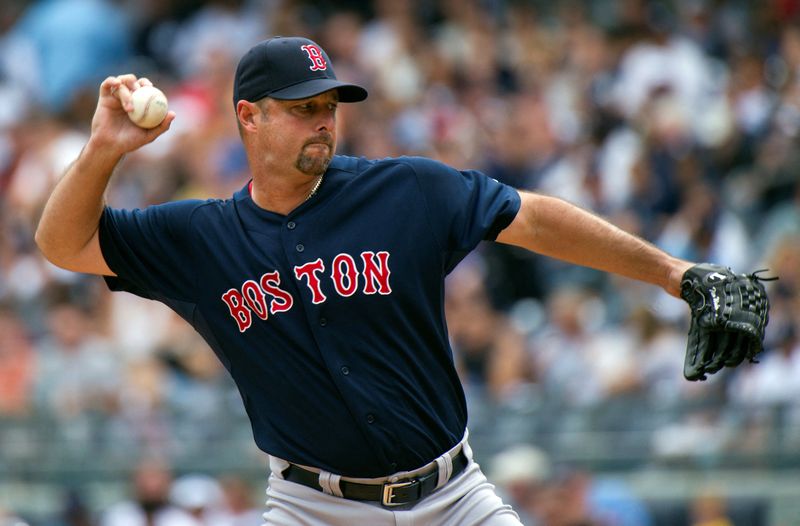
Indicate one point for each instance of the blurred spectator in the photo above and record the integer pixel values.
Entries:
(697, 434)
(239, 509)
(197, 384)
(709, 510)
(227, 26)
(661, 360)
(136, 327)
(662, 59)
(560, 350)
(752, 100)
(490, 353)
(703, 230)
(387, 46)
(73, 512)
(776, 379)
(665, 163)
(548, 496)
(564, 502)
(200, 496)
(46, 146)
(612, 502)
(763, 397)
(7, 518)
(17, 365)
(71, 45)
(142, 424)
(149, 505)
(522, 473)
(78, 371)
(14, 75)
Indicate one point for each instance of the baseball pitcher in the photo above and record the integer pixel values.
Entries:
(319, 285)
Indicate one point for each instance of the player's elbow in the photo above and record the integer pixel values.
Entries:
(73, 254)
(55, 251)
(49, 247)
(42, 242)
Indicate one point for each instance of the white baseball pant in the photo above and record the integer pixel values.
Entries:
(468, 499)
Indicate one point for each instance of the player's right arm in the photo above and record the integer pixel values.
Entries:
(67, 233)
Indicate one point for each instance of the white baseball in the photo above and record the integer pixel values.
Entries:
(149, 107)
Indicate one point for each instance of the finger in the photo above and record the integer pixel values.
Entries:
(754, 347)
(127, 84)
(692, 369)
(109, 86)
(737, 349)
(167, 122)
(129, 79)
(717, 348)
(124, 94)
(143, 81)
(164, 126)
(696, 345)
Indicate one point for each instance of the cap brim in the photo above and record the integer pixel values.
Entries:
(310, 88)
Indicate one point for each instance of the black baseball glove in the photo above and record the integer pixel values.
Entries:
(729, 314)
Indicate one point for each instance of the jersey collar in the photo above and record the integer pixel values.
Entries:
(335, 177)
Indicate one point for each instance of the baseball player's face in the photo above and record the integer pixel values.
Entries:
(302, 132)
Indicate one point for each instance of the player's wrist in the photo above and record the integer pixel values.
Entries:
(100, 158)
(675, 271)
(101, 150)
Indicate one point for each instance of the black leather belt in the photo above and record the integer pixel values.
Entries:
(388, 494)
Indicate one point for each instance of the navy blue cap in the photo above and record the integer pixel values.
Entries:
(289, 68)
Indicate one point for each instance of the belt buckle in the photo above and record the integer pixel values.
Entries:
(388, 492)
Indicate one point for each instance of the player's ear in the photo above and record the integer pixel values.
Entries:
(246, 113)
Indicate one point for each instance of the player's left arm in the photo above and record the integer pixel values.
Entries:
(556, 228)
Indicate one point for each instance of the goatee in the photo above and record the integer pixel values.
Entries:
(313, 165)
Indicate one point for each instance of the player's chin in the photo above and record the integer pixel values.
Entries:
(313, 164)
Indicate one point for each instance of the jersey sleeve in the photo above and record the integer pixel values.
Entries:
(150, 250)
(465, 207)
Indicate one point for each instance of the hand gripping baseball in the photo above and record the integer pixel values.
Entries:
(729, 313)
(112, 126)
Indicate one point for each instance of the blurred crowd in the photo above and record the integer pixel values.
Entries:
(677, 120)
(159, 498)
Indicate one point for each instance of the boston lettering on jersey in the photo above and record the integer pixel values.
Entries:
(251, 297)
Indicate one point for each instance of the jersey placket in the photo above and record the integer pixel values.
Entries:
(313, 277)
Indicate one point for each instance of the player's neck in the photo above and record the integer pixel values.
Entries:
(283, 194)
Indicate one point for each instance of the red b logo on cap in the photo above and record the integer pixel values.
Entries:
(315, 55)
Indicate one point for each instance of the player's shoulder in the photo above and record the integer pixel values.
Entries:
(191, 207)
(188, 212)
(181, 208)
(410, 164)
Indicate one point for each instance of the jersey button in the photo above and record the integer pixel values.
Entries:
(370, 418)
(345, 370)
(290, 225)
(300, 247)
(323, 321)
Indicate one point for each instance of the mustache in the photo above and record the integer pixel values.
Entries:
(322, 138)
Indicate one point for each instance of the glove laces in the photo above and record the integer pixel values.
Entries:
(756, 277)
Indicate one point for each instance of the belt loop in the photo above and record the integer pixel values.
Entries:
(445, 463)
(277, 466)
(329, 483)
(467, 450)
(335, 487)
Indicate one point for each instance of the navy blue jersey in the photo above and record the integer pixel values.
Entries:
(329, 319)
